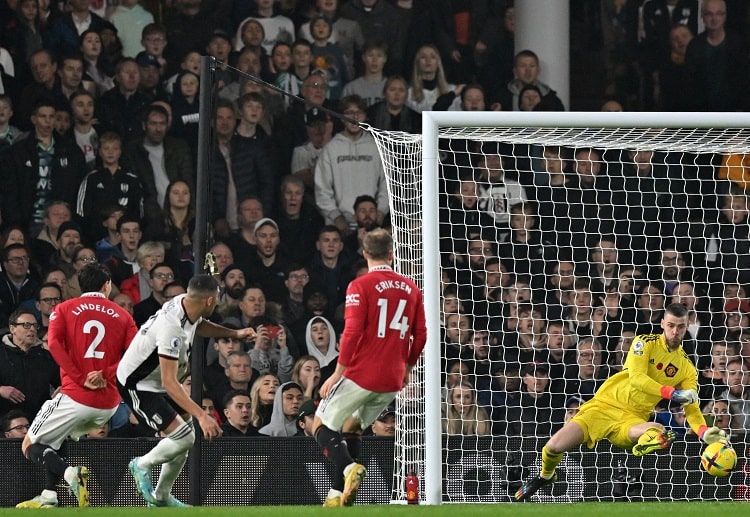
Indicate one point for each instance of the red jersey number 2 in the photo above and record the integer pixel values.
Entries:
(398, 321)
(101, 331)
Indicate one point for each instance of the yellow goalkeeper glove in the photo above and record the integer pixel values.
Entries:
(713, 435)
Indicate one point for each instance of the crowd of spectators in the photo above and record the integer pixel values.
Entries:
(553, 258)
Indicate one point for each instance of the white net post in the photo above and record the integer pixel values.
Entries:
(417, 175)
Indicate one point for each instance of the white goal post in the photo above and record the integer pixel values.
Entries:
(413, 169)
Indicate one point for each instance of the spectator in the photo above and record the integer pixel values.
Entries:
(738, 394)
(270, 353)
(145, 155)
(44, 86)
(712, 379)
(539, 412)
(262, 396)
(159, 277)
(385, 423)
(330, 267)
(233, 283)
(239, 374)
(275, 26)
(305, 156)
(130, 18)
(186, 108)
(15, 424)
(298, 220)
(371, 86)
(590, 369)
(70, 71)
(149, 82)
(320, 338)
(672, 75)
(281, 59)
(526, 72)
(462, 415)
(306, 374)
(215, 376)
(149, 254)
(715, 82)
(619, 348)
(267, 267)
(224, 205)
(502, 393)
(718, 410)
(292, 80)
(68, 239)
(107, 244)
(223, 254)
(63, 34)
(154, 43)
(391, 113)
(28, 374)
(84, 130)
(177, 226)
(366, 218)
(109, 185)
(17, 283)
(650, 304)
(38, 170)
(26, 37)
(8, 132)
(306, 416)
(571, 407)
(378, 20)
(328, 56)
(428, 81)
(123, 262)
(82, 256)
(296, 278)
(124, 104)
(335, 188)
(286, 404)
(237, 413)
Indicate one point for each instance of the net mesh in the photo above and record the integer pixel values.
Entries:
(557, 246)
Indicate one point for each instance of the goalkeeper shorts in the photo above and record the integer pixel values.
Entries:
(601, 421)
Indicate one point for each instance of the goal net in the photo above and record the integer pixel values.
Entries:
(544, 243)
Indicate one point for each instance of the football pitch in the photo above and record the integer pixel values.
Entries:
(447, 510)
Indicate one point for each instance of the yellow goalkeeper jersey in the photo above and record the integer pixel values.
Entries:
(649, 366)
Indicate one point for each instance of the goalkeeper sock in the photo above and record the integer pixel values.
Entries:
(550, 461)
(334, 448)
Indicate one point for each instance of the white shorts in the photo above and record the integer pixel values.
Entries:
(348, 399)
(61, 417)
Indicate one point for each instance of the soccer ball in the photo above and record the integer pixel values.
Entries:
(718, 459)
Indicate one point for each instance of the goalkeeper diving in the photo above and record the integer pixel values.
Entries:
(656, 368)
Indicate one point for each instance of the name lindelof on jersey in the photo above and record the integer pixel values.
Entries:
(81, 307)
(392, 284)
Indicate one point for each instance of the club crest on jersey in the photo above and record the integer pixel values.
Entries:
(638, 347)
(175, 343)
(671, 370)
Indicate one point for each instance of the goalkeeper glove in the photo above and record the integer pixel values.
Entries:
(682, 397)
(713, 435)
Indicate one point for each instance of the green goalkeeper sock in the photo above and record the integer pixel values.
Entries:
(550, 461)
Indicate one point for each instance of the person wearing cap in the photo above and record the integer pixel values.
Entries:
(571, 407)
(385, 423)
(130, 18)
(306, 417)
(269, 265)
(150, 83)
(351, 150)
(319, 127)
(68, 239)
(656, 369)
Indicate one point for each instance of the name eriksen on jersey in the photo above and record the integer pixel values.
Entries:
(392, 284)
(94, 307)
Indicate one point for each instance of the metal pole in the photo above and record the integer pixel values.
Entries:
(208, 65)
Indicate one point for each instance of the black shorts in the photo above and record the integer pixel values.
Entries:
(155, 410)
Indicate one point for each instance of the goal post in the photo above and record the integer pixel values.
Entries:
(414, 170)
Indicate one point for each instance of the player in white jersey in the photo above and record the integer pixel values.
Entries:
(148, 379)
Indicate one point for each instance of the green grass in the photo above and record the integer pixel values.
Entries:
(682, 509)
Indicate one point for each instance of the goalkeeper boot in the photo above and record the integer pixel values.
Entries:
(143, 482)
(650, 442)
(38, 502)
(532, 485)
(353, 476)
(79, 486)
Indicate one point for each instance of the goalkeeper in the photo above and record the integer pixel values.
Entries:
(656, 368)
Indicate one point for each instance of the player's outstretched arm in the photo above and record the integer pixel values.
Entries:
(712, 434)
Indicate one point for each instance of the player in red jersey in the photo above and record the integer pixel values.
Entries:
(383, 337)
(88, 336)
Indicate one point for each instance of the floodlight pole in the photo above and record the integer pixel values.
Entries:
(202, 189)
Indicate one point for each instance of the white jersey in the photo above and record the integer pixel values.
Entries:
(168, 333)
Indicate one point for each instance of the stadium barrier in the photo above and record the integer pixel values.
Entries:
(260, 471)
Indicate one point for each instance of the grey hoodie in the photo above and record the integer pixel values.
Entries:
(279, 425)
